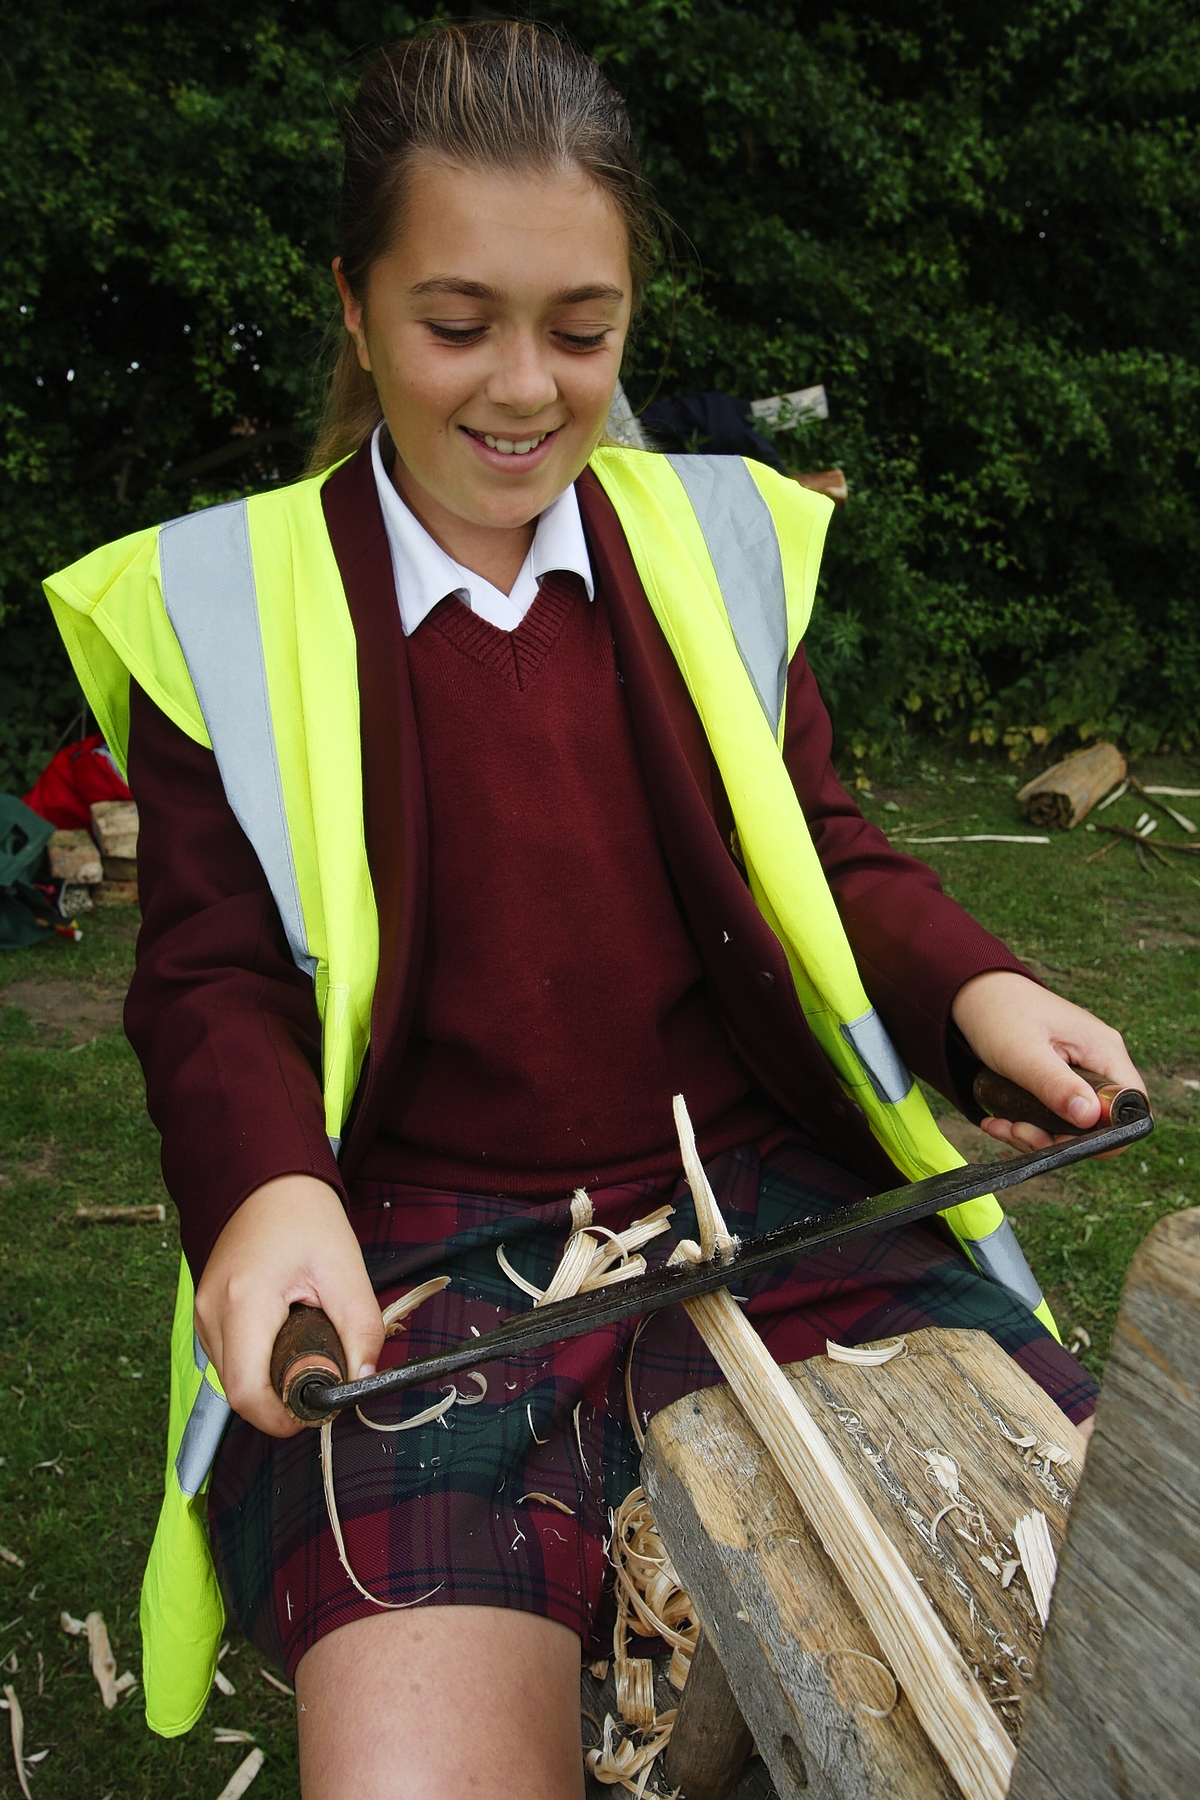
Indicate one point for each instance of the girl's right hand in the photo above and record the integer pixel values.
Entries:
(289, 1241)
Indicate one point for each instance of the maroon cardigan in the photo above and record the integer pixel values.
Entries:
(226, 1026)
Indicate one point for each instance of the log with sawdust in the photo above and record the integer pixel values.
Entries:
(1067, 791)
(952, 1708)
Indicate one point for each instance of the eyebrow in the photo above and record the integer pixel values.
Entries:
(479, 290)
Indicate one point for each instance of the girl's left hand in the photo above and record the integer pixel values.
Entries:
(1032, 1036)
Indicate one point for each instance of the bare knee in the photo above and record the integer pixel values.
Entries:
(440, 1703)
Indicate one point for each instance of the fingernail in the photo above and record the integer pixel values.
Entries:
(364, 1369)
(1080, 1110)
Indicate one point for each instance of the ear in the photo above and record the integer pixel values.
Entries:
(352, 314)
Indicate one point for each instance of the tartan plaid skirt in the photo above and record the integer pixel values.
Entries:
(452, 1506)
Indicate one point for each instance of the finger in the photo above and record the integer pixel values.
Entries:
(348, 1298)
(251, 1330)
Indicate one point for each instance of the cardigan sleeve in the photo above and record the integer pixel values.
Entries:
(915, 947)
(223, 1022)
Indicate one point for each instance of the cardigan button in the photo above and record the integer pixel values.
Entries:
(766, 978)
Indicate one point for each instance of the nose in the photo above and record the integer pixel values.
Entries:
(522, 381)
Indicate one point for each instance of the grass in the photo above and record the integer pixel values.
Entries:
(85, 1309)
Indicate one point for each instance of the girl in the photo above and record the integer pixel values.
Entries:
(467, 840)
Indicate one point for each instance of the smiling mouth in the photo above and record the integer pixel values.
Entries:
(510, 446)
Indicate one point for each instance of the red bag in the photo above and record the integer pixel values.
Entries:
(72, 779)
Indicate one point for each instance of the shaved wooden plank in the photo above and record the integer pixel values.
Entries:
(1114, 1709)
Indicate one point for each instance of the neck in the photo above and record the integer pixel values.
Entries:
(496, 552)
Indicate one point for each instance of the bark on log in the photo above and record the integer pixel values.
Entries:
(1067, 792)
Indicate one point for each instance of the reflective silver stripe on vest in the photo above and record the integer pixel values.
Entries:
(209, 593)
(740, 534)
(885, 1068)
(1002, 1260)
(202, 1433)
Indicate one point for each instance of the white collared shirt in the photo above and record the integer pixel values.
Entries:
(425, 574)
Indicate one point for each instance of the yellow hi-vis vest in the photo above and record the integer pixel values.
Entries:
(234, 621)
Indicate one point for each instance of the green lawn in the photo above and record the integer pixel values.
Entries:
(84, 1309)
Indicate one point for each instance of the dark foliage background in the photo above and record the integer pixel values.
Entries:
(975, 223)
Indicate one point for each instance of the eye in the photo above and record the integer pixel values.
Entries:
(456, 334)
(575, 341)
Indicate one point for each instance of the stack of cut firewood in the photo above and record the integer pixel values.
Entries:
(98, 867)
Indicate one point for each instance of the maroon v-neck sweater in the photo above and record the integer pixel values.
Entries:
(562, 1001)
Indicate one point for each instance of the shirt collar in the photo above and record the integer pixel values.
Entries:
(426, 574)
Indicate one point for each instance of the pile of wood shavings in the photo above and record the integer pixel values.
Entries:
(650, 1603)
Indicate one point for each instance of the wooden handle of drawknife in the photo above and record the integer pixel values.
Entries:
(1004, 1099)
(308, 1353)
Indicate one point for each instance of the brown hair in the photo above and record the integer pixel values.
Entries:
(496, 93)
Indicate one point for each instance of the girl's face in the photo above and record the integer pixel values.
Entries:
(494, 330)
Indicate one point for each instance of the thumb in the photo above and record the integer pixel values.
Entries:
(1058, 1086)
(349, 1300)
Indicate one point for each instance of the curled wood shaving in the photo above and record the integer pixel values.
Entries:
(549, 1500)
(954, 1506)
(280, 1686)
(1032, 1535)
(335, 1525)
(242, 1776)
(474, 1399)
(599, 1672)
(593, 1258)
(944, 1470)
(422, 1418)
(229, 1734)
(875, 1712)
(532, 1426)
(526, 1287)
(579, 1433)
(395, 1314)
(10, 1556)
(16, 1730)
(582, 1211)
(104, 1666)
(619, 1762)
(72, 1627)
(868, 1356)
(223, 1684)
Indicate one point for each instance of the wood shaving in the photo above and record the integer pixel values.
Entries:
(16, 1730)
(126, 1681)
(1008, 1571)
(526, 1287)
(593, 1258)
(532, 1426)
(944, 1470)
(229, 1734)
(223, 1684)
(549, 1500)
(578, 1432)
(280, 1686)
(104, 1665)
(335, 1524)
(599, 1672)
(875, 1712)
(1032, 1535)
(10, 1556)
(619, 1762)
(868, 1356)
(395, 1314)
(72, 1627)
(990, 1564)
(630, 1408)
(954, 1506)
(242, 1776)
(715, 1239)
(474, 1399)
(422, 1418)
(582, 1211)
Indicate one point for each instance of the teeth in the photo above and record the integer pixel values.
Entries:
(513, 447)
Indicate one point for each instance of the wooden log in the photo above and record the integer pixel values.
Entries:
(1067, 791)
(710, 1740)
(795, 1647)
(1115, 1708)
(75, 858)
(952, 1708)
(826, 481)
(115, 828)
